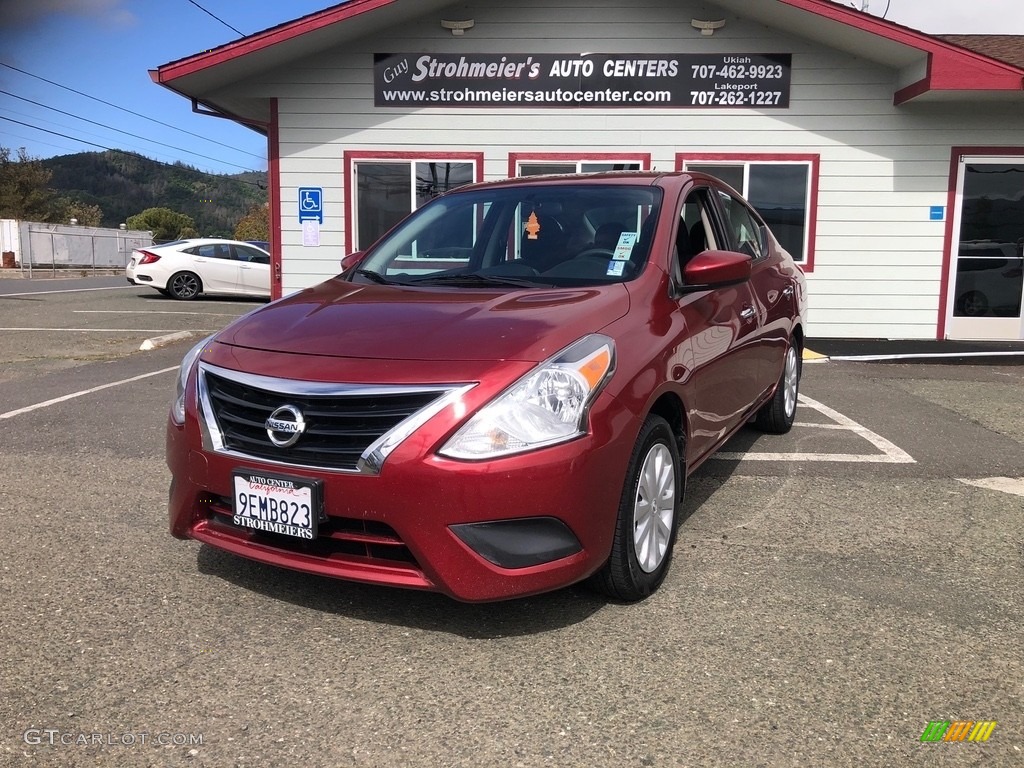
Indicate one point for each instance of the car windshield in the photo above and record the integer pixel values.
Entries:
(520, 236)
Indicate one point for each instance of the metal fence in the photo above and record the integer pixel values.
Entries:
(54, 247)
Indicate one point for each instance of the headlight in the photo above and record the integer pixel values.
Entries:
(178, 409)
(547, 406)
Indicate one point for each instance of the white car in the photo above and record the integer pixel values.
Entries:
(186, 268)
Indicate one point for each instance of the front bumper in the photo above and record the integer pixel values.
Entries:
(475, 531)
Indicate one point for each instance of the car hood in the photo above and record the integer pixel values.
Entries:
(342, 319)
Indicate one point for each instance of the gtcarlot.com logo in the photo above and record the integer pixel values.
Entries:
(55, 737)
(958, 730)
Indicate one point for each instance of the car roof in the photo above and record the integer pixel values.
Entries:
(652, 178)
(191, 241)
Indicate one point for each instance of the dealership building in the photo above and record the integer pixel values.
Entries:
(889, 162)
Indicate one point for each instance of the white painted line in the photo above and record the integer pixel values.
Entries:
(69, 290)
(146, 312)
(849, 458)
(170, 338)
(113, 330)
(1014, 485)
(890, 454)
(819, 426)
(924, 356)
(73, 395)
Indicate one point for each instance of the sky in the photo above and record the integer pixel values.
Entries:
(103, 49)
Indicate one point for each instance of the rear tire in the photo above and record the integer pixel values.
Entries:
(645, 529)
(778, 414)
(184, 286)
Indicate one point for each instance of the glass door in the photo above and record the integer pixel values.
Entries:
(987, 267)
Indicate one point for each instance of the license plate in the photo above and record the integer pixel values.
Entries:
(276, 504)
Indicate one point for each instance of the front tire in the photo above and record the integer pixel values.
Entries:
(184, 286)
(778, 414)
(645, 529)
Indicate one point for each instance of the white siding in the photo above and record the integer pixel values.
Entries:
(878, 258)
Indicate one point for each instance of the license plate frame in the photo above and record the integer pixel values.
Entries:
(280, 504)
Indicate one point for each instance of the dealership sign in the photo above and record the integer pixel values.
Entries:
(642, 80)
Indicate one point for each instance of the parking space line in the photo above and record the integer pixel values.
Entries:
(115, 330)
(83, 392)
(69, 290)
(148, 312)
(888, 452)
(1014, 485)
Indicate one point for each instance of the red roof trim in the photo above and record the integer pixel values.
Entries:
(950, 67)
(266, 38)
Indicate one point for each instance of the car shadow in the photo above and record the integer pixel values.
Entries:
(435, 612)
(202, 298)
(407, 608)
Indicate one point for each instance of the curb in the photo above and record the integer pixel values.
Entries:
(169, 338)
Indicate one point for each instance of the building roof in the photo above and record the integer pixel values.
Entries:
(927, 67)
(1008, 48)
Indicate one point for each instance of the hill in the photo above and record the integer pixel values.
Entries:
(123, 184)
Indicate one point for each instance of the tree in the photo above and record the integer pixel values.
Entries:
(86, 215)
(24, 194)
(164, 223)
(255, 225)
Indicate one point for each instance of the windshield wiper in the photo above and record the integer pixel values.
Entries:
(473, 280)
(369, 274)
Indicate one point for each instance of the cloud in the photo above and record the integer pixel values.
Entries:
(29, 13)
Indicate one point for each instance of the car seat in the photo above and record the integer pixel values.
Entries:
(547, 247)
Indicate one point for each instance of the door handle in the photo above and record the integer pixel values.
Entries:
(747, 313)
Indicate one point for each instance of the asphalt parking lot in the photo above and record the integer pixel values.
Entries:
(835, 590)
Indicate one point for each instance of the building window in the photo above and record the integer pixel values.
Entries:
(383, 190)
(783, 189)
(534, 164)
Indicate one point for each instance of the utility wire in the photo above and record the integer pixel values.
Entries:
(197, 5)
(55, 133)
(113, 149)
(130, 112)
(126, 133)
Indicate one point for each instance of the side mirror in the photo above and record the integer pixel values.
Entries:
(715, 269)
(352, 260)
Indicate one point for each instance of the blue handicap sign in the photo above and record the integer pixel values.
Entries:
(311, 203)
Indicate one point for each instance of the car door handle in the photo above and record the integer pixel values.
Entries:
(747, 313)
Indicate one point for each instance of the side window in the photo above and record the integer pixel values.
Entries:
(213, 251)
(253, 255)
(744, 231)
(696, 232)
(695, 221)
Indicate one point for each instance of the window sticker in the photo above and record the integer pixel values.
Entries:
(615, 268)
(624, 249)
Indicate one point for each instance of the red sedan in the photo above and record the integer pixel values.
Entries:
(504, 395)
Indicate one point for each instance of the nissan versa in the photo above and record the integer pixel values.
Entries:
(504, 395)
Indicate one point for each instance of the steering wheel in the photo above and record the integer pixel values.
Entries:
(596, 253)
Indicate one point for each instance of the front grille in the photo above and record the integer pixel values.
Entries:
(340, 425)
(337, 538)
